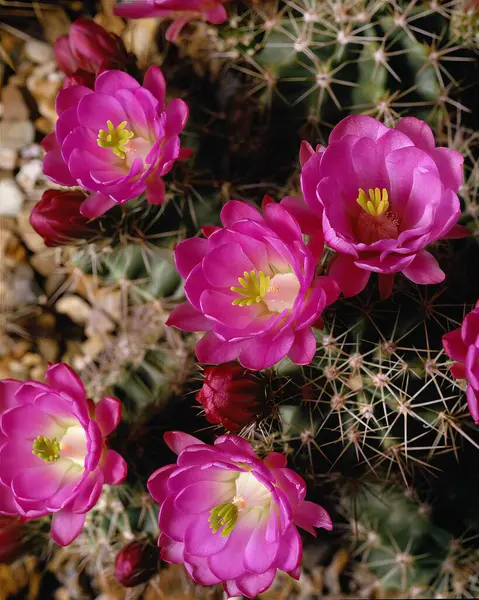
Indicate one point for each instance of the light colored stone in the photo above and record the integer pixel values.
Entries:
(32, 151)
(8, 159)
(44, 83)
(11, 198)
(38, 52)
(16, 134)
(48, 349)
(74, 307)
(31, 178)
(14, 107)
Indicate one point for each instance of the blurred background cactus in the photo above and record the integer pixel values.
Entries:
(376, 424)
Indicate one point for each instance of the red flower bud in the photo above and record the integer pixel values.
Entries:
(11, 538)
(232, 396)
(88, 49)
(64, 56)
(136, 563)
(57, 217)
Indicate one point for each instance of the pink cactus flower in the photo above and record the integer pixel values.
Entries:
(383, 195)
(117, 141)
(53, 453)
(252, 286)
(230, 517)
(87, 50)
(181, 11)
(462, 345)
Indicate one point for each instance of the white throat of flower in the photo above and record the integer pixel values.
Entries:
(248, 495)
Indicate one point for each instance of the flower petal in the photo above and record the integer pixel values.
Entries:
(8, 389)
(154, 82)
(265, 351)
(177, 441)
(109, 82)
(96, 205)
(63, 378)
(350, 279)
(304, 347)
(187, 318)
(189, 253)
(158, 483)
(424, 269)
(308, 515)
(176, 117)
(454, 346)
(211, 350)
(202, 496)
(253, 584)
(234, 211)
(108, 414)
(66, 526)
(114, 468)
(473, 403)
(200, 539)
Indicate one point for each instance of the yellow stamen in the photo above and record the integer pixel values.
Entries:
(115, 138)
(45, 448)
(378, 202)
(254, 286)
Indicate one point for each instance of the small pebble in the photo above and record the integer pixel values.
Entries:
(11, 198)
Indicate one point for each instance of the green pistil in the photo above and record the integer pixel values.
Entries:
(224, 515)
(47, 449)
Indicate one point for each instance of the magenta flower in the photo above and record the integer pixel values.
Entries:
(53, 454)
(252, 286)
(383, 195)
(87, 50)
(230, 517)
(181, 11)
(462, 345)
(117, 141)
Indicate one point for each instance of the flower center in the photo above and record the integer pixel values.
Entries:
(73, 445)
(253, 288)
(47, 449)
(115, 138)
(282, 292)
(377, 203)
(224, 516)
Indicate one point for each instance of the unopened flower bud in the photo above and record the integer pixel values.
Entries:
(136, 563)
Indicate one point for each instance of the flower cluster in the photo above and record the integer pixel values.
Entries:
(230, 517)
(53, 453)
(252, 286)
(462, 345)
(181, 11)
(376, 196)
(87, 50)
